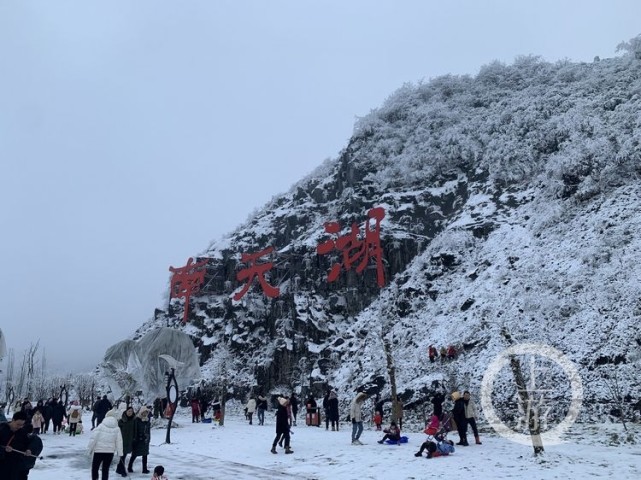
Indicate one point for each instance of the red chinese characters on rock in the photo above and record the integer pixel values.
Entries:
(355, 251)
(255, 270)
(186, 281)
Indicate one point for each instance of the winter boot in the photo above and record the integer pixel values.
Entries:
(288, 450)
(333, 428)
(144, 464)
(130, 467)
(418, 454)
(478, 440)
(273, 450)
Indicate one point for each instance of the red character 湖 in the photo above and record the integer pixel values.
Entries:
(355, 251)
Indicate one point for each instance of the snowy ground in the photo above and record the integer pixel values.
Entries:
(202, 452)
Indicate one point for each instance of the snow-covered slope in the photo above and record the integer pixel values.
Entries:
(511, 201)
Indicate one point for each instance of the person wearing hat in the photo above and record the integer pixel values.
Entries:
(142, 437)
(127, 424)
(282, 424)
(458, 413)
(356, 415)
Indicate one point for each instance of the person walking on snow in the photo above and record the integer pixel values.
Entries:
(102, 407)
(293, 402)
(106, 440)
(261, 406)
(37, 421)
(282, 425)
(251, 408)
(74, 416)
(57, 416)
(356, 414)
(127, 426)
(332, 410)
(140, 445)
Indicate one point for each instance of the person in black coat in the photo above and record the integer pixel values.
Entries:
(458, 413)
(437, 401)
(141, 440)
(326, 409)
(127, 424)
(34, 446)
(102, 407)
(332, 410)
(282, 425)
(13, 435)
(57, 415)
(47, 413)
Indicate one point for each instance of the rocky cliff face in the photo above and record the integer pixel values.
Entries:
(511, 201)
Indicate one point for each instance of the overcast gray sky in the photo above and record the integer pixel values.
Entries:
(132, 133)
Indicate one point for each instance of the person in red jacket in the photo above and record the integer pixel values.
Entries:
(432, 353)
(451, 352)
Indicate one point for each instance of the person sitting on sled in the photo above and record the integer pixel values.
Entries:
(440, 449)
(392, 433)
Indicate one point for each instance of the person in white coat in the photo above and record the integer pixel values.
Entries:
(357, 417)
(74, 416)
(251, 408)
(105, 442)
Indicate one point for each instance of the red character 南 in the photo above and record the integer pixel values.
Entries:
(186, 281)
(354, 250)
(256, 270)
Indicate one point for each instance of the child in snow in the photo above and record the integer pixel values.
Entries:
(378, 420)
(392, 433)
(440, 449)
(159, 473)
(37, 420)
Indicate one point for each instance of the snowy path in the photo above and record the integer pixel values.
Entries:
(241, 451)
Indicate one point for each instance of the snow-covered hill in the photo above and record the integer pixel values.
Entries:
(511, 200)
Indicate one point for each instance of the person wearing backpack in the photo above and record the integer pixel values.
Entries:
(74, 416)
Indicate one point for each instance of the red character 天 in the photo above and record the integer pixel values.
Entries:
(256, 270)
(187, 280)
(356, 252)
